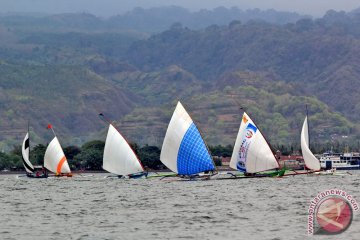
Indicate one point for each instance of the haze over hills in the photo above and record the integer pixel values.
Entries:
(64, 69)
(145, 20)
(106, 8)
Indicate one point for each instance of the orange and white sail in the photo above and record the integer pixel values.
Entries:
(54, 159)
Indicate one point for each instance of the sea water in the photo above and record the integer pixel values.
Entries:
(94, 207)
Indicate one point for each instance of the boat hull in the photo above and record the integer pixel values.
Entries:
(38, 173)
(223, 176)
(138, 175)
(63, 175)
(31, 175)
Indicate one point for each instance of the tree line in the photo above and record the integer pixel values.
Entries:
(89, 156)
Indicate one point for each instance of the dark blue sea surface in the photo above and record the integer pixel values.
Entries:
(94, 207)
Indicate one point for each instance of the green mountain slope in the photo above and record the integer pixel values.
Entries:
(68, 97)
(67, 76)
(321, 57)
(274, 105)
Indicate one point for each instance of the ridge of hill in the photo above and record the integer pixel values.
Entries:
(151, 20)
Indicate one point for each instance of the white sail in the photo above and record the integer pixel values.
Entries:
(310, 160)
(119, 158)
(54, 159)
(251, 152)
(25, 150)
(183, 150)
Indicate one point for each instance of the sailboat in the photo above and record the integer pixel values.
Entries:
(119, 158)
(31, 171)
(311, 162)
(55, 159)
(184, 150)
(252, 154)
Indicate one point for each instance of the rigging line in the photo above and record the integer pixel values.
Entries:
(28, 129)
(52, 129)
(307, 121)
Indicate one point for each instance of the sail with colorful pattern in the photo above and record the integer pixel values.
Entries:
(251, 153)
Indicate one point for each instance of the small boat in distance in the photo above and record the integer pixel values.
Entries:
(184, 150)
(119, 158)
(338, 161)
(31, 171)
(252, 154)
(312, 163)
(55, 159)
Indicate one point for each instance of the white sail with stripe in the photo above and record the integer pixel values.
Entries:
(183, 150)
(25, 151)
(119, 158)
(54, 159)
(251, 153)
(311, 162)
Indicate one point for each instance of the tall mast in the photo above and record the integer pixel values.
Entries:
(307, 121)
(241, 108)
(52, 129)
(29, 137)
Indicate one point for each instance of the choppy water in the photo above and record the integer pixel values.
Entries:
(96, 208)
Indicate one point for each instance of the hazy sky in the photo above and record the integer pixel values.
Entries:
(112, 7)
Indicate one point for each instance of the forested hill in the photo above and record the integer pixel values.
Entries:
(321, 56)
(66, 74)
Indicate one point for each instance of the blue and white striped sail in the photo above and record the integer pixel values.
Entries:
(183, 150)
(251, 152)
(25, 150)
